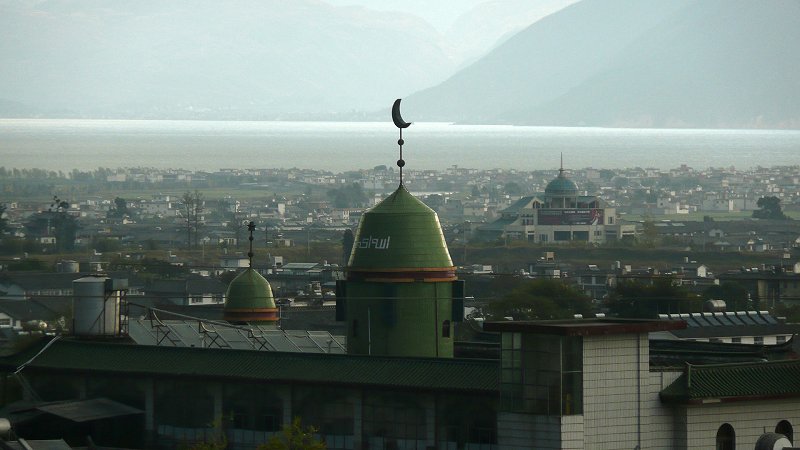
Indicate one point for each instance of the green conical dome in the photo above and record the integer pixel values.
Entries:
(399, 233)
(249, 299)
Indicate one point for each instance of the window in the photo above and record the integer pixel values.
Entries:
(542, 238)
(446, 329)
(393, 420)
(5, 322)
(758, 340)
(780, 339)
(196, 299)
(785, 428)
(542, 374)
(726, 437)
(580, 235)
(561, 235)
(736, 340)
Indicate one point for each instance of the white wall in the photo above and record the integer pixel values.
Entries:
(749, 421)
(614, 392)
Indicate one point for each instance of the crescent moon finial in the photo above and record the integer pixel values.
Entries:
(399, 123)
(396, 117)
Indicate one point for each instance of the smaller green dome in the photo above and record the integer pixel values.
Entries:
(249, 299)
(561, 186)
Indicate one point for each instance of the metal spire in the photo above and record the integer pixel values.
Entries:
(251, 227)
(401, 162)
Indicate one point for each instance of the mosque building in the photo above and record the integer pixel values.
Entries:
(560, 215)
(588, 384)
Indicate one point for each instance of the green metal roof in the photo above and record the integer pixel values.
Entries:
(249, 290)
(400, 232)
(498, 225)
(519, 204)
(774, 379)
(437, 374)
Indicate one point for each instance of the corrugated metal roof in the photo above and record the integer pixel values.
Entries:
(89, 410)
(774, 379)
(50, 444)
(192, 333)
(402, 373)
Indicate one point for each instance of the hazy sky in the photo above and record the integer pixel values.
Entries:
(440, 13)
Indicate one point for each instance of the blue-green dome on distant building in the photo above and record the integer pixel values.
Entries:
(249, 299)
(561, 186)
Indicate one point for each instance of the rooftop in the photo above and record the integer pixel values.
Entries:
(727, 382)
(432, 374)
(585, 327)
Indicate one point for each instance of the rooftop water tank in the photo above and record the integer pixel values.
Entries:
(95, 307)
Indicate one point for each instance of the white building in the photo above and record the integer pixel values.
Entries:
(589, 385)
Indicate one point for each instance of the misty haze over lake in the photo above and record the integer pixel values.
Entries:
(339, 146)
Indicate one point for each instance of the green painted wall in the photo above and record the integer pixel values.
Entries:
(399, 319)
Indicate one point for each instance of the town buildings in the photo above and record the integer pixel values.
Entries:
(581, 384)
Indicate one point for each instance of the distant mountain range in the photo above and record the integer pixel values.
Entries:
(618, 63)
(639, 63)
(238, 59)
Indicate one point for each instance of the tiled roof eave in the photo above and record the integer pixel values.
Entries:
(735, 382)
(491, 388)
(731, 399)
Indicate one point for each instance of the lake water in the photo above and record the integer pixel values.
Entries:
(340, 146)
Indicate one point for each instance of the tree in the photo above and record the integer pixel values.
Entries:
(193, 207)
(512, 188)
(3, 220)
(632, 299)
(475, 192)
(188, 208)
(295, 437)
(541, 299)
(55, 222)
(649, 236)
(734, 294)
(199, 205)
(348, 196)
(769, 208)
(119, 210)
(347, 245)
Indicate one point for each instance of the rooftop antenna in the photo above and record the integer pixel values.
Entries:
(251, 227)
(399, 123)
(561, 168)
